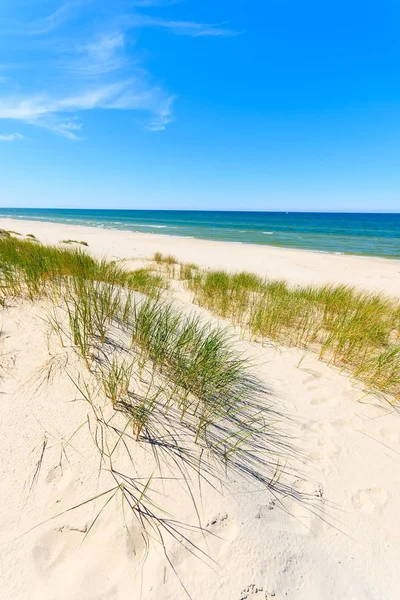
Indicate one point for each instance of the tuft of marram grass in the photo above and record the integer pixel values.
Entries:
(147, 282)
(206, 377)
(81, 243)
(35, 270)
(116, 379)
(167, 259)
(187, 271)
(346, 327)
(184, 365)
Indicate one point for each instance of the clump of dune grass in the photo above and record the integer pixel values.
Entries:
(170, 259)
(167, 263)
(187, 271)
(155, 362)
(81, 243)
(147, 282)
(8, 232)
(355, 330)
(81, 328)
(116, 380)
(206, 379)
(167, 259)
(32, 270)
(382, 371)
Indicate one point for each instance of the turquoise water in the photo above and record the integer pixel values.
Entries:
(347, 233)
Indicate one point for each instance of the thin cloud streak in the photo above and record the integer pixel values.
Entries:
(55, 19)
(101, 56)
(11, 137)
(48, 112)
(189, 28)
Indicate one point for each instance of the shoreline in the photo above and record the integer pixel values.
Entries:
(155, 229)
(298, 266)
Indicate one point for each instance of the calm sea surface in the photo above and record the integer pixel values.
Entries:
(347, 233)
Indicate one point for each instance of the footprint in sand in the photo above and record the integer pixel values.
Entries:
(309, 510)
(52, 548)
(223, 525)
(223, 530)
(370, 500)
(319, 400)
(315, 426)
(388, 435)
(304, 510)
(347, 424)
(53, 475)
(325, 450)
(56, 483)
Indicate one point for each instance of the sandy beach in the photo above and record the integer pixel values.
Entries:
(337, 539)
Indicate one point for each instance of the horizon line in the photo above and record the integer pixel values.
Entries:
(328, 211)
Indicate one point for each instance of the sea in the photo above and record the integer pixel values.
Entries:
(364, 234)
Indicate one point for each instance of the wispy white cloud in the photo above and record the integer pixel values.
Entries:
(102, 55)
(55, 19)
(52, 112)
(99, 75)
(90, 67)
(190, 28)
(11, 137)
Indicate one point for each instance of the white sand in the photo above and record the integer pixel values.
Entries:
(344, 545)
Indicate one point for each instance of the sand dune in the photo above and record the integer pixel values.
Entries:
(339, 539)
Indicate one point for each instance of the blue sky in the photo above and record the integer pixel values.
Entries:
(256, 104)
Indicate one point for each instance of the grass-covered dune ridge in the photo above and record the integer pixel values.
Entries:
(32, 269)
(178, 382)
(357, 330)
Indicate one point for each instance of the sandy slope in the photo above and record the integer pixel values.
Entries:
(342, 542)
(298, 266)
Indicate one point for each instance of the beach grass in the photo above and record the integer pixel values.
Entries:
(32, 270)
(184, 364)
(167, 259)
(81, 243)
(352, 329)
(178, 383)
(357, 330)
(147, 282)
